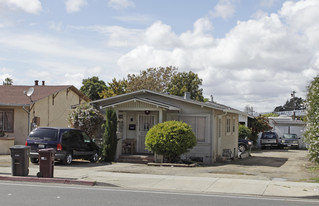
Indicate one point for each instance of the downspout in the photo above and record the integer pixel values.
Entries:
(28, 112)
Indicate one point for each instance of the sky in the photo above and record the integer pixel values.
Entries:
(247, 52)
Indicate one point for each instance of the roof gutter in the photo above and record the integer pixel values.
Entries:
(15, 105)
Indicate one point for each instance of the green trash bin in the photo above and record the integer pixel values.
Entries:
(20, 160)
(46, 162)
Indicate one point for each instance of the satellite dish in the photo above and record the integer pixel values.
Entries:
(30, 92)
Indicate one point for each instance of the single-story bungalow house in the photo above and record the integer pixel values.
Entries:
(215, 125)
(45, 106)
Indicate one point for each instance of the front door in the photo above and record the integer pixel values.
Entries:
(145, 122)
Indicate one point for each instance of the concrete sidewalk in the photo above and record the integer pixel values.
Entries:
(96, 174)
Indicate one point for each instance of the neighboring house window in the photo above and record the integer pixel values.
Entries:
(6, 120)
(219, 127)
(227, 125)
(234, 125)
(198, 125)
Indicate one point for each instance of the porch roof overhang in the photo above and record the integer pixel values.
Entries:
(144, 100)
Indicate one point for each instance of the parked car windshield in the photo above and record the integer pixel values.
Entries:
(45, 134)
(269, 136)
(290, 136)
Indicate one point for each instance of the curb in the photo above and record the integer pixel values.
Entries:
(48, 180)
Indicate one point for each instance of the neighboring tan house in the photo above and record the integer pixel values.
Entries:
(50, 106)
(215, 125)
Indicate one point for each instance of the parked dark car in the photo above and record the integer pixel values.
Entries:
(244, 145)
(290, 140)
(269, 139)
(68, 144)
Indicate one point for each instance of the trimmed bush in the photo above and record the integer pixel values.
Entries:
(170, 139)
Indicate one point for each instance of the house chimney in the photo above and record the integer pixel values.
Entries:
(36, 82)
(187, 95)
(43, 83)
(211, 99)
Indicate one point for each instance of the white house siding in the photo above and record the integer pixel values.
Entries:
(226, 140)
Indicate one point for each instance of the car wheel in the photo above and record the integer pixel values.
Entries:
(241, 148)
(34, 160)
(95, 157)
(68, 159)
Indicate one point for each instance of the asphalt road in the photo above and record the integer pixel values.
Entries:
(18, 194)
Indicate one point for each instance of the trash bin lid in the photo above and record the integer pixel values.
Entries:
(20, 147)
(46, 150)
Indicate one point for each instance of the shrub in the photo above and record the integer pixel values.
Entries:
(243, 132)
(312, 129)
(170, 139)
(86, 118)
(109, 137)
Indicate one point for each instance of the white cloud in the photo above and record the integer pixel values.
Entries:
(120, 4)
(116, 36)
(141, 19)
(4, 75)
(48, 45)
(259, 62)
(29, 6)
(74, 5)
(224, 9)
(267, 3)
(55, 26)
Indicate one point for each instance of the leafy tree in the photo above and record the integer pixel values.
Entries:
(170, 139)
(312, 129)
(86, 118)
(259, 124)
(8, 81)
(295, 103)
(116, 87)
(109, 137)
(92, 87)
(155, 79)
(186, 82)
(243, 132)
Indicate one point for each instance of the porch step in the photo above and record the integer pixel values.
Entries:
(140, 159)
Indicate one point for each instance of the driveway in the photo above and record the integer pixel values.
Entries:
(289, 165)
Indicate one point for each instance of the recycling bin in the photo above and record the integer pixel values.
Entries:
(46, 162)
(20, 160)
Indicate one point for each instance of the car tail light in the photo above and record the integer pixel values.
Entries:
(59, 147)
(26, 143)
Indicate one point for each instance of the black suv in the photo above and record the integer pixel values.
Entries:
(269, 139)
(68, 144)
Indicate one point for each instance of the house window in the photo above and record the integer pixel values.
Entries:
(6, 120)
(198, 125)
(227, 125)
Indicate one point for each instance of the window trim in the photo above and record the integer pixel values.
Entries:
(234, 125)
(228, 126)
(207, 123)
(12, 126)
